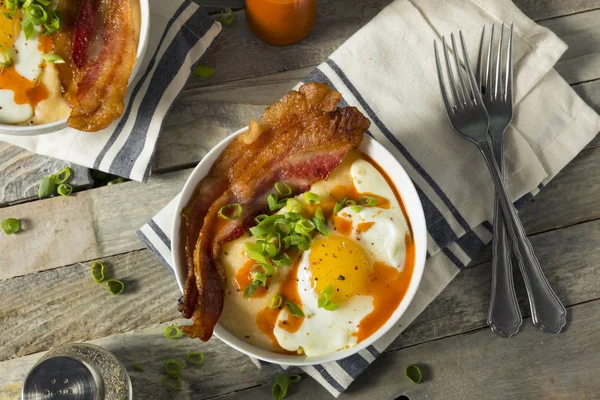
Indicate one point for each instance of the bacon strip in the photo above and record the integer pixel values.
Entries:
(86, 25)
(299, 140)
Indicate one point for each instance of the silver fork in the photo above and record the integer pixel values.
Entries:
(504, 315)
(469, 119)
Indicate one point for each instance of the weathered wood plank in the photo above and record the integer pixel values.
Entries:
(67, 294)
(85, 226)
(539, 10)
(21, 172)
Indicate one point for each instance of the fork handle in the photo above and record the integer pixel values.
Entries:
(504, 315)
(547, 312)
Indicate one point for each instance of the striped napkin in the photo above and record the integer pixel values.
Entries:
(179, 35)
(387, 70)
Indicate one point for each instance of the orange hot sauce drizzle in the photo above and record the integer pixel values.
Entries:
(243, 279)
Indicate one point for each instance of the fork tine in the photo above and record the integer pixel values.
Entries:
(480, 60)
(476, 93)
(449, 108)
(509, 69)
(457, 102)
(459, 71)
(498, 85)
(488, 71)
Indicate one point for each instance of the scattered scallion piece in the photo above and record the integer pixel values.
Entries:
(64, 189)
(260, 218)
(321, 227)
(293, 205)
(294, 309)
(282, 260)
(116, 181)
(203, 71)
(11, 4)
(227, 16)
(195, 358)
(283, 189)
(173, 382)
(251, 288)
(97, 271)
(52, 58)
(276, 301)
(254, 252)
(264, 268)
(173, 332)
(311, 198)
(367, 201)
(36, 14)
(173, 367)
(9, 15)
(280, 386)
(413, 372)
(47, 187)
(53, 22)
(138, 367)
(304, 226)
(259, 277)
(230, 211)
(62, 176)
(259, 231)
(324, 299)
(11, 225)
(28, 28)
(274, 203)
(5, 60)
(114, 286)
(339, 205)
(319, 215)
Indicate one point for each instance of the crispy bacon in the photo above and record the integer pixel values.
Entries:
(86, 25)
(299, 140)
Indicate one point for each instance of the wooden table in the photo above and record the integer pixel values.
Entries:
(47, 297)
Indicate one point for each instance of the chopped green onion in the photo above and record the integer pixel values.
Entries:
(324, 299)
(6, 60)
(294, 309)
(116, 181)
(47, 187)
(195, 358)
(292, 216)
(254, 252)
(27, 3)
(304, 226)
(225, 212)
(10, 14)
(319, 215)
(339, 205)
(259, 231)
(203, 71)
(264, 268)
(260, 218)
(293, 205)
(53, 23)
(11, 225)
(173, 367)
(356, 209)
(138, 367)
(311, 198)
(321, 227)
(114, 286)
(283, 189)
(62, 176)
(367, 201)
(282, 260)
(274, 203)
(97, 271)
(330, 306)
(11, 4)
(173, 332)
(36, 14)
(64, 189)
(259, 277)
(28, 28)
(282, 226)
(53, 58)
(280, 386)
(294, 378)
(305, 242)
(269, 221)
(269, 249)
(350, 203)
(173, 382)
(45, 3)
(227, 16)
(413, 372)
(276, 301)
(291, 240)
(251, 288)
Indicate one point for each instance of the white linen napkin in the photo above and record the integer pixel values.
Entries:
(387, 70)
(179, 35)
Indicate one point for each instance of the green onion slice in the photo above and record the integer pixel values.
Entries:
(9, 15)
(173, 332)
(260, 218)
(269, 249)
(274, 203)
(230, 211)
(6, 60)
(356, 209)
(324, 299)
(311, 198)
(27, 3)
(11, 225)
(294, 378)
(282, 260)
(52, 58)
(45, 3)
(280, 386)
(283, 189)
(173, 382)
(173, 367)
(305, 242)
(203, 71)
(367, 201)
(251, 288)
(276, 301)
(47, 187)
(227, 16)
(413, 372)
(263, 268)
(53, 23)
(62, 176)
(116, 181)
(294, 309)
(319, 214)
(114, 287)
(28, 28)
(282, 226)
(292, 216)
(259, 277)
(293, 205)
(97, 271)
(304, 226)
(339, 205)
(64, 189)
(138, 367)
(321, 227)
(254, 252)
(11, 4)
(36, 14)
(259, 231)
(195, 358)
(269, 221)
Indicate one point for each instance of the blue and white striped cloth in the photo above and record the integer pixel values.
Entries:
(387, 70)
(180, 33)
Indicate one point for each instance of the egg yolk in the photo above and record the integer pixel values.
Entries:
(340, 262)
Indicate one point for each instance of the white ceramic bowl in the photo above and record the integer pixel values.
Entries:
(415, 215)
(32, 130)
